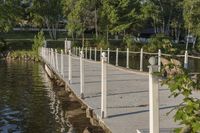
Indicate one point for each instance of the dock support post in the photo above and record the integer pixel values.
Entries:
(66, 46)
(90, 53)
(82, 74)
(117, 52)
(56, 54)
(62, 63)
(79, 50)
(186, 60)
(141, 59)
(103, 86)
(76, 51)
(153, 97)
(95, 54)
(108, 57)
(86, 53)
(100, 53)
(53, 58)
(127, 58)
(70, 63)
(159, 60)
(49, 55)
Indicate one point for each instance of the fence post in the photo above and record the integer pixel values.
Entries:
(53, 58)
(66, 46)
(82, 74)
(70, 66)
(108, 58)
(103, 86)
(186, 60)
(86, 52)
(90, 53)
(56, 60)
(95, 54)
(159, 60)
(49, 55)
(79, 50)
(141, 59)
(153, 97)
(62, 63)
(76, 50)
(100, 53)
(117, 51)
(127, 58)
(45, 43)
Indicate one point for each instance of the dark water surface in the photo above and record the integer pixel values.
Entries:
(31, 103)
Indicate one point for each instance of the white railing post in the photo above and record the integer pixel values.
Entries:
(70, 64)
(49, 55)
(100, 53)
(45, 43)
(153, 97)
(159, 60)
(90, 53)
(86, 53)
(82, 73)
(53, 58)
(66, 46)
(103, 86)
(95, 54)
(76, 51)
(56, 52)
(108, 57)
(62, 63)
(186, 60)
(127, 58)
(79, 49)
(117, 52)
(141, 59)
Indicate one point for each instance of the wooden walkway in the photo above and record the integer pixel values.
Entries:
(127, 99)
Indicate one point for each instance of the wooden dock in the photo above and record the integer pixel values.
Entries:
(127, 94)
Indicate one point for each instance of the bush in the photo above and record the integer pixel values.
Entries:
(131, 43)
(38, 42)
(101, 42)
(160, 41)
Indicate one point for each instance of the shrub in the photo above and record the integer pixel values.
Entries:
(160, 41)
(38, 41)
(131, 43)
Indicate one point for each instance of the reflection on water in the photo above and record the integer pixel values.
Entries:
(30, 103)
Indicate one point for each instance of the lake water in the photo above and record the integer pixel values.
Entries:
(31, 103)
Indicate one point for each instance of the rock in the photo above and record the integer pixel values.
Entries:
(87, 130)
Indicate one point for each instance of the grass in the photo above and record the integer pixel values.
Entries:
(25, 54)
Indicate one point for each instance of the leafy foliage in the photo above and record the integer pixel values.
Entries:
(188, 112)
(38, 42)
(159, 41)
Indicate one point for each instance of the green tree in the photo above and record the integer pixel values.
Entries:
(10, 14)
(47, 13)
(191, 17)
(79, 17)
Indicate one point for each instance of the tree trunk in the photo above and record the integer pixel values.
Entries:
(83, 39)
(96, 25)
(49, 29)
(73, 37)
(107, 34)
